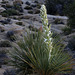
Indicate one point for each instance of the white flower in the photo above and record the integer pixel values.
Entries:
(45, 22)
(49, 32)
(50, 39)
(45, 40)
(44, 16)
(45, 30)
(46, 27)
(51, 43)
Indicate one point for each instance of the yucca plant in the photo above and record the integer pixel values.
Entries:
(39, 53)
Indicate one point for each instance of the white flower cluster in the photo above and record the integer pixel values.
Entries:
(47, 32)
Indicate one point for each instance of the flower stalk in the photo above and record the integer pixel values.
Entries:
(46, 29)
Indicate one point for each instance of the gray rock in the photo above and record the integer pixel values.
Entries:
(10, 33)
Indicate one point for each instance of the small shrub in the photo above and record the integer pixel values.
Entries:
(71, 43)
(5, 44)
(2, 62)
(58, 21)
(4, 2)
(38, 6)
(19, 23)
(8, 6)
(57, 6)
(37, 11)
(14, 18)
(30, 11)
(28, 7)
(71, 15)
(3, 52)
(9, 12)
(17, 2)
(18, 7)
(67, 30)
(32, 28)
(12, 38)
(4, 14)
(69, 11)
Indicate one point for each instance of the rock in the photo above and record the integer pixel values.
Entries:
(10, 33)
(27, 2)
(2, 9)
